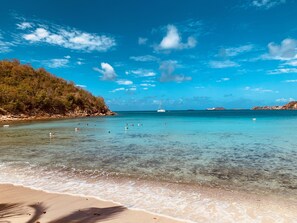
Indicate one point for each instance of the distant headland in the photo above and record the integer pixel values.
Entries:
(28, 94)
(290, 106)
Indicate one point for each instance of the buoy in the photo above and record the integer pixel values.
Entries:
(76, 129)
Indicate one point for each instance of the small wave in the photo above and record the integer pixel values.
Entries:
(187, 202)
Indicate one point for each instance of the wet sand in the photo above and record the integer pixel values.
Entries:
(23, 205)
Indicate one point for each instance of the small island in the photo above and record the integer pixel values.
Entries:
(28, 94)
(290, 106)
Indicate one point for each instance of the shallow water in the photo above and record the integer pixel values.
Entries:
(154, 154)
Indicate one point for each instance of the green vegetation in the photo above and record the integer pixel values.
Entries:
(29, 91)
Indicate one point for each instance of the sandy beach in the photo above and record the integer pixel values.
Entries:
(19, 205)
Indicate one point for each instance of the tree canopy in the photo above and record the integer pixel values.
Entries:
(29, 91)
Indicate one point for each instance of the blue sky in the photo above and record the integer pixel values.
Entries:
(190, 54)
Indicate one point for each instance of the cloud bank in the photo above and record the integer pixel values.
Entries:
(66, 37)
(267, 4)
(167, 69)
(286, 50)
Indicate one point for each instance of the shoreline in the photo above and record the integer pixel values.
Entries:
(214, 204)
(6, 119)
(21, 204)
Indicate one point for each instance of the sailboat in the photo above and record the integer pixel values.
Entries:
(161, 109)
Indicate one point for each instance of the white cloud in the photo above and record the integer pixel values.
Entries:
(145, 88)
(143, 73)
(266, 4)
(67, 57)
(149, 81)
(145, 58)
(223, 64)
(292, 63)
(79, 62)
(132, 89)
(264, 90)
(37, 35)
(68, 38)
(57, 63)
(147, 85)
(287, 50)
(199, 87)
(24, 25)
(124, 82)
(223, 79)
(283, 71)
(285, 99)
(142, 41)
(81, 85)
(118, 89)
(260, 90)
(290, 81)
(107, 71)
(234, 51)
(167, 69)
(173, 40)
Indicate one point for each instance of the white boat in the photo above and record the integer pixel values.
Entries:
(160, 109)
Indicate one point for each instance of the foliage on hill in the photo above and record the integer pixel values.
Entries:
(29, 91)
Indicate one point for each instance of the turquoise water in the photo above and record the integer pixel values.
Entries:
(217, 149)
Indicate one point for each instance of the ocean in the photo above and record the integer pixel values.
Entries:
(191, 165)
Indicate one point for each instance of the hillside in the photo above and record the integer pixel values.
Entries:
(290, 106)
(27, 92)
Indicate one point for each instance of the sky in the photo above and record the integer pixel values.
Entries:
(174, 54)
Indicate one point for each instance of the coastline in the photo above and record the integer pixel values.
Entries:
(5, 119)
(22, 204)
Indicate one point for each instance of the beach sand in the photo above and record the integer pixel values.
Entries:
(24, 205)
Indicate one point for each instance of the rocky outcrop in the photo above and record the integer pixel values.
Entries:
(290, 106)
